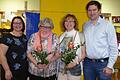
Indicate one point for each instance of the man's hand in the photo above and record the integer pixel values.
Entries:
(107, 71)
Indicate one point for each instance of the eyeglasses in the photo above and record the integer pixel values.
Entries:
(16, 23)
(69, 21)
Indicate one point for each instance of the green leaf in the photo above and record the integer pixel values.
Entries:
(69, 54)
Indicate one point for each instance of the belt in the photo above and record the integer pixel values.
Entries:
(97, 60)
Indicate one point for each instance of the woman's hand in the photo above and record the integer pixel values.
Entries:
(70, 65)
(49, 57)
(42, 66)
(8, 75)
(53, 57)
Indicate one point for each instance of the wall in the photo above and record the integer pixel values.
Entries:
(56, 9)
(14, 5)
(10, 8)
(111, 6)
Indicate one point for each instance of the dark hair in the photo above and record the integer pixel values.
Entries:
(72, 16)
(96, 3)
(23, 24)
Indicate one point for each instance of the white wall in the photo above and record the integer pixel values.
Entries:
(113, 7)
(14, 5)
(110, 6)
(10, 8)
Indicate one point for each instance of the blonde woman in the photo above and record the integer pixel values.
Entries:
(71, 33)
(43, 40)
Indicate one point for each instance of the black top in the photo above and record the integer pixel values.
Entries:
(16, 54)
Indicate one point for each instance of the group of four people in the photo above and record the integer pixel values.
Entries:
(97, 46)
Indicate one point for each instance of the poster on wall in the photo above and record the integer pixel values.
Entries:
(106, 16)
(32, 20)
(116, 19)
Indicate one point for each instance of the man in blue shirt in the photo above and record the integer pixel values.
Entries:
(101, 45)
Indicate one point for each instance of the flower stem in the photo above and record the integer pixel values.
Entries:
(64, 70)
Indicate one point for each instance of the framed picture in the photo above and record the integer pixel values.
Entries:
(116, 19)
(106, 16)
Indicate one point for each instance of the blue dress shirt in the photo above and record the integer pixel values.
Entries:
(101, 41)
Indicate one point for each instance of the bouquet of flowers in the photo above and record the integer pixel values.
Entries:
(69, 54)
(41, 57)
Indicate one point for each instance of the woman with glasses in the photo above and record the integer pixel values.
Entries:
(45, 44)
(13, 48)
(71, 35)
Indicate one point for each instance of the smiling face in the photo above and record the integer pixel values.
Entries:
(93, 12)
(45, 31)
(17, 25)
(69, 23)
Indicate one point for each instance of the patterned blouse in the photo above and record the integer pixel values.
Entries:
(16, 54)
(52, 68)
(65, 38)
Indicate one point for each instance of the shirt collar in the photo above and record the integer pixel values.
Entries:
(98, 21)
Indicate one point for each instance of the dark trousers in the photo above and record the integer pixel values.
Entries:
(17, 75)
(2, 73)
(94, 69)
(33, 77)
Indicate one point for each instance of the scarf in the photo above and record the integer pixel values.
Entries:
(37, 44)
